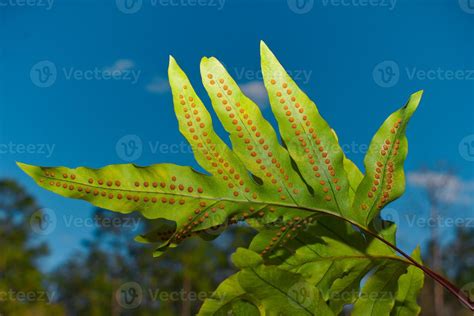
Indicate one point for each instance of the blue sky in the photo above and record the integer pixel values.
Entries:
(358, 61)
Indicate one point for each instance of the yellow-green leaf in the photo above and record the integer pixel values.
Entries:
(310, 140)
(384, 179)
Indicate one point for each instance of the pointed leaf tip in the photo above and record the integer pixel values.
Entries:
(28, 169)
(173, 66)
(175, 72)
(417, 95)
(205, 63)
(211, 65)
(264, 49)
(414, 102)
(389, 147)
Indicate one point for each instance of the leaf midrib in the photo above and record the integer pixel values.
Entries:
(206, 145)
(361, 257)
(279, 290)
(385, 284)
(257, 147)
(404, 299)
(383, 182)
(263, 203)
(313, 147)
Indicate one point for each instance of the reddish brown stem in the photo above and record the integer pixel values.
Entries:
(465, 300)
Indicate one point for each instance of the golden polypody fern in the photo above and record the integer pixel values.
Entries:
(313, 208)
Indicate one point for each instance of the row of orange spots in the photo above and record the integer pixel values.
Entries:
(260, 213)
(396, 147)
(119, 196)
(85, 188)
(388, 186)
(164, 236)
(209, 150)
(322, 152)
(377, 181)
(390, 167)
(286, 232)
(253, 129)
(51, 174)
(378, 177)
(386, 145)
(201, 215)
(166, 233)
(395, 127)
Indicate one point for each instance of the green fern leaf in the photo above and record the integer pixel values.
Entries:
(384, 180)
(310, 203)
(329, 254)
(255, 181)
(309, 139)
(272, 290)
(409, 287)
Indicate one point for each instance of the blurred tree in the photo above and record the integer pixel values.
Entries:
(116, 275)
(440, 189)
(458, 264)
(459, 257)
(22, 285)
(458, 261)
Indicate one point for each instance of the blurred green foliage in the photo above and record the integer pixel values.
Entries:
(23, 288)
(114, 275)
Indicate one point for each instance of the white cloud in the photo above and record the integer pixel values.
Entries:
(120, 65)
(256, 91)
(158, 85)
(450, 188)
